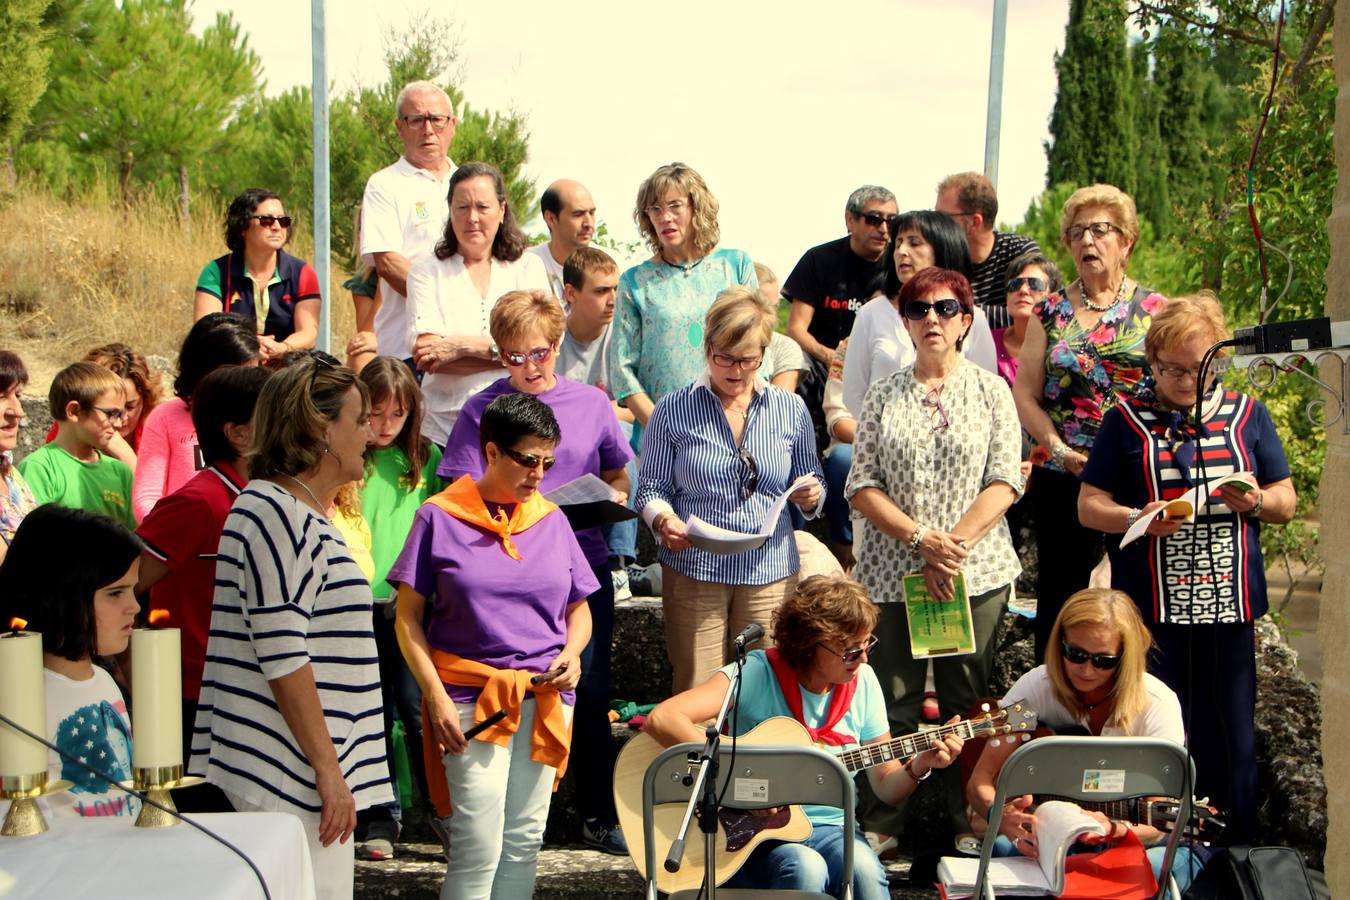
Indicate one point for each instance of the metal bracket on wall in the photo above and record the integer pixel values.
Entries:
(1261, 370)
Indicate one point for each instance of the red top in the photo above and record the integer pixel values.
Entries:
(183, 532)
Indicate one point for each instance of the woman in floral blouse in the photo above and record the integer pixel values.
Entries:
(1083, 353)
(936, 464)
(16, 500)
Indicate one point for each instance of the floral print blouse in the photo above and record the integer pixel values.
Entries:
(934, 471)
(16, 500)
(1088, 371)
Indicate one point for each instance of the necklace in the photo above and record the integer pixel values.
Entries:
(307, 491)
(686, 268)
(1087, 300)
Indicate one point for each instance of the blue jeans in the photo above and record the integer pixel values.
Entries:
(592, 757)
(621, 537)
(815, 864)
(1185, 864)
(837, 463)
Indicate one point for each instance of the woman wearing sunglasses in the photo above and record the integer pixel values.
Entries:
(818, 674)
(527, 327)
(1200, 584)
(1029, 278)
(936, 464)
(724, 449)
(1094, 680)
(277, 292)
(505, 633)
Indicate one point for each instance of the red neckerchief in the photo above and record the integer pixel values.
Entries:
(841, 695)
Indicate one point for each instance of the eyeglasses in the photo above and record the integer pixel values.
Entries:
(114, 413)
(848, 657)
(1078, 656)
(1099, 230)
(438, 123)
(749, 474)
(732, 362)
(530, 460)
(1179, 372)
(932, 401)
(269, 221)
(918, 309)
(1036, 284)
(539, 354)
(876, 219)
(674, 207)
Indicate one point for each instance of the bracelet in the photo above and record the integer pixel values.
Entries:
(916, 539)
(909, 770)
(1255, 511)
(657, 522)
(1131, 517)
(1058, 453)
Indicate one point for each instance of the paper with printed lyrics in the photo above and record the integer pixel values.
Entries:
(715, 539)
(938, 627)
(589, 501)
(1059, 825)
(1182, 509)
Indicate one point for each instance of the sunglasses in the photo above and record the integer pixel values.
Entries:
(1078, 656)
(851, 656)
(749, 474)
(1036, 284)
(269, 221)
(876, 219)
(538, 354)
(918, 309)
(530, 460)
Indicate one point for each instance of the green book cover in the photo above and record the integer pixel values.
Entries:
(938, 628)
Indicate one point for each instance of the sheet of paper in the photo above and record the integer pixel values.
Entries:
(936, 627)
(715, 539)
(588, 488)
(1191, 499)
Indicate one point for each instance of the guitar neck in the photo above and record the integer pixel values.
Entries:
(903, 748)
(1127, 810)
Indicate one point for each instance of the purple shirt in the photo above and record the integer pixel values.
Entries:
(507, 613)
(591, 443)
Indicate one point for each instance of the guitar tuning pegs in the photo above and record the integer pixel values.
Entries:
(994, 742)
(1026, 737)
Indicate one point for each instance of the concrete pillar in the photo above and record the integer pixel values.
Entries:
(1333, 627)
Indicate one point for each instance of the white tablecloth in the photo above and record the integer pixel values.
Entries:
(103, 859)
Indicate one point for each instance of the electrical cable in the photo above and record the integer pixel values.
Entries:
(71, 758)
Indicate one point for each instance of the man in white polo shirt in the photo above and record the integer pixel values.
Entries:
(569, 213)
(406, 205)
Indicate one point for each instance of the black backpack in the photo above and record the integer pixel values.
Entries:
(1258, 873)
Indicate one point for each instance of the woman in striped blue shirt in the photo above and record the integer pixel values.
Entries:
(723, 449)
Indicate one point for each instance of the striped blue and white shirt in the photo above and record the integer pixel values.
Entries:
(691, 465)
(287, 593)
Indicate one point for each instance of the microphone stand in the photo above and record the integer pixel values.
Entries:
(703, 798)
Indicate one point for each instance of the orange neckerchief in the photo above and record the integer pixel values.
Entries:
(462, 500)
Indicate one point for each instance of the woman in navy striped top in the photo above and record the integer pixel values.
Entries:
(723, 449)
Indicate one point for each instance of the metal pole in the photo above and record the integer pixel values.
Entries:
(323, 226)
(994, 114)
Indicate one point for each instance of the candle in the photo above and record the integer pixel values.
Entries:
(22, 700)
(156, 698)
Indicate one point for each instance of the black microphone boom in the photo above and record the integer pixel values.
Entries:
(753, 633)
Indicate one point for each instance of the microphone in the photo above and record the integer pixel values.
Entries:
(753, 634)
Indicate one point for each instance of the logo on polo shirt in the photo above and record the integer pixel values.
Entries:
(420, 210)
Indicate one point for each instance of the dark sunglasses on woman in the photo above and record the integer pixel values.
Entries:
(918, 309)
(1078, 656)
(1036, 284)
(269, 221)
(530, 460)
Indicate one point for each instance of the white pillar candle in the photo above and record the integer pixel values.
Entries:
(156, 698)
(22, 699)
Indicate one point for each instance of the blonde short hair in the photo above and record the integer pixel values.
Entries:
(84, 383)
(738, 314)
(1183, 318)
(516, 312)
(1115, 610)
(685, 180)
(294, 410)
(1119, 203)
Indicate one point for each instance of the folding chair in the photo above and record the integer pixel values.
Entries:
(1151, 767)
(781, 776)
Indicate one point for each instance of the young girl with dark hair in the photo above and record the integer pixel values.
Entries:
(82, 611)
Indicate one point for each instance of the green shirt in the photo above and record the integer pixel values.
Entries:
(98, 487)
(389, 506)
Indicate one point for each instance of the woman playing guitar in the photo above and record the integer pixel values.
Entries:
(1093, 678)
(817, 674)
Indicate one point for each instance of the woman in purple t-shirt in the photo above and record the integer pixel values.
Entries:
(510, 584)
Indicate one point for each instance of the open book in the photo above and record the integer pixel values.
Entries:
(588, 502)
(1058, 825)
(1183, 508)
(724, 540)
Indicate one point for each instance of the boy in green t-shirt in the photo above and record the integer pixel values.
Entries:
(87, 403)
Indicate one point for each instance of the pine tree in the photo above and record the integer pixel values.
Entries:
(23, 70)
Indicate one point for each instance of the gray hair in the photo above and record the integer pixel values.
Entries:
(868, 192)
(421, 87)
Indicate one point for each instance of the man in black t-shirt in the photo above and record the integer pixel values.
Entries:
(969, 198)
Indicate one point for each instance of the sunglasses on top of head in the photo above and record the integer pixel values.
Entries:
(1078, 656)
(918, 309)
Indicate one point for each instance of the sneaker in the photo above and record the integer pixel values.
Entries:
(375, 849)
(605, 838)
(621, 589)
(645, 581)
(442, 832)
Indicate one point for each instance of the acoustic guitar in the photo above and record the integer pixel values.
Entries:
(739, 831)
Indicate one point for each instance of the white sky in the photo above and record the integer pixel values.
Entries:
(783, 107)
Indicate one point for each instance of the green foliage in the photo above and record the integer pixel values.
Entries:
(23, 65)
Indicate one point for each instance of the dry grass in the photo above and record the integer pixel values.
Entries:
(76, 275)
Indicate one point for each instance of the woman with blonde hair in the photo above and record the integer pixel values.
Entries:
(1199, 584)
(657, 343)
(1094, 679)
(723, 449)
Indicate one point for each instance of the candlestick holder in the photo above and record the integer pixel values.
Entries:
(25, 816)
(156, 782)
